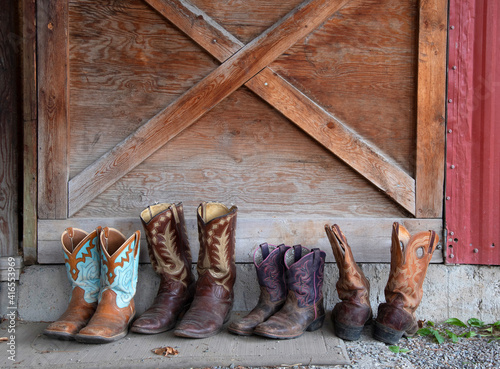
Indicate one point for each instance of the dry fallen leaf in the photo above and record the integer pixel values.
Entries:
(165, 351)
(3, 339)
(421, 324)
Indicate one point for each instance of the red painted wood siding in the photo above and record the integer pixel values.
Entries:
(472, 210)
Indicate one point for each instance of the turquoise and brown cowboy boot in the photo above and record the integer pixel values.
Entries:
(119, 269)
(82, 260)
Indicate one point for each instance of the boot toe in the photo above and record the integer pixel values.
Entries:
(62, 330)
(198, 329)
(242, 327)
(152, 325)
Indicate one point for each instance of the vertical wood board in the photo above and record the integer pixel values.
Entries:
(9, 130)
(29, 132)
(53, 109)
(431, 122)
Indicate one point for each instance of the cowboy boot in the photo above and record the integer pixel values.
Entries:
(303, 309)
(81, 256)
(116, 308)
(270, 266)
(410, 257)
(216, 267)
(351, 314)
(170, 257)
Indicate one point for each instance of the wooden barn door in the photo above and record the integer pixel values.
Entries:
(300, 113)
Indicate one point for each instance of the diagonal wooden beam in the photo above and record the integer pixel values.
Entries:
(201, 98)
(366, 159)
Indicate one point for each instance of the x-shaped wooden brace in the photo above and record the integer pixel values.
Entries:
(244, 65)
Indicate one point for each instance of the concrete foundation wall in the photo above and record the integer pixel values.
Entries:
(449, 291)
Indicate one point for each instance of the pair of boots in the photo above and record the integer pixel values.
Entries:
(207, 302)
(102, 267)
(291, 296)
(410, 257)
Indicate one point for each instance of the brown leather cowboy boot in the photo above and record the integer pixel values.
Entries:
(81, 256)
(354, 311)
(303, 309)
(270, 265)
(170, 257)
(216, 267)
(410, 257)
(116, 308)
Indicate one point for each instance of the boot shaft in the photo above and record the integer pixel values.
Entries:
(119, 264)
(410, 258)
(352, 284)
(82, 260)
(304, 274)
(216, 260)
(270, 266)
(168, 244)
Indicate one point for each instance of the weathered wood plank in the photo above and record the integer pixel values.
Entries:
(369, 83)
(296, 106)
(29, 132)
(370, 239)
(431, 108)
(198, 100)
(53, 130)
(9, 129)
(127, 64)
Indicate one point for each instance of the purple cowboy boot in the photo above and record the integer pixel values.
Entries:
(303, 309)
(270, 266)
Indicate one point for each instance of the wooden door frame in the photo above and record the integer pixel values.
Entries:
(59, 197)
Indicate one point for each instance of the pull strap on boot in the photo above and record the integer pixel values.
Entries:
(216, 267)
(303, 309)
(351, 314)
(116, 308)
(270, 266)
(81, 257)
(410, 258)
(170, 257)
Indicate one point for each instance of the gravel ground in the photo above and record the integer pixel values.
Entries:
(424, 352)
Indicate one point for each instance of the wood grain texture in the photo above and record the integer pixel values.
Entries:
(9, 130)
(127, 64)
(244, 152)
(431, 109)
(360, 66)
(198, 100)
(29, 132)
(52, 33)
(370, 239)
(296, 106)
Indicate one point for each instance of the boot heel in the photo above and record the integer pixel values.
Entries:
(317, 324)
(347, 332)
(386, 334)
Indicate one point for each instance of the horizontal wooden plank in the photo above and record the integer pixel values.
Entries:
(369, 238)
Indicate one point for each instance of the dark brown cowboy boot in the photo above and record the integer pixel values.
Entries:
(216, 267)
(270, 265)
(81, 256)
(170, 257)
(303, 309)
(116, 308)
(354, 311)
(410, 257)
